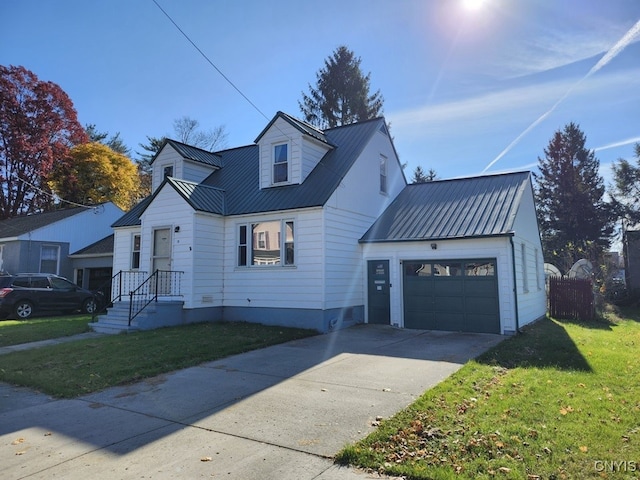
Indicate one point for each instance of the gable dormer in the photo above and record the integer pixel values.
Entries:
(289, 150)
(182, 161)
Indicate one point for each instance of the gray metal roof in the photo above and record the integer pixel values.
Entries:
(192, 153)
(201, 197)
(235, 189)
(16, 226)
(304, 127)
(239, 176)
(132, 217)
(460, 208)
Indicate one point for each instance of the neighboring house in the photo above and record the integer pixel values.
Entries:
(93, 265)
(295, 230)
(43, 242)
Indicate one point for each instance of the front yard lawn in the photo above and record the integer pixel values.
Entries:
(84, 366)
(15, 332)
(560, 401)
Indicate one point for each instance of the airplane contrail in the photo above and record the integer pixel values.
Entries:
(629, 37)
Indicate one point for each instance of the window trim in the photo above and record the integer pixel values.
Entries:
(525, 270)
(287, 163)
(384, 175)
(57, 248)
(245, 257)
(134, 251)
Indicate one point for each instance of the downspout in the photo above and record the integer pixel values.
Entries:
(515, 286)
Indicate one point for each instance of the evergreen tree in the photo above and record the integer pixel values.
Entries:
(341, 95)
(575, 221)
(419, 176)
(114, 142)
(625, 190)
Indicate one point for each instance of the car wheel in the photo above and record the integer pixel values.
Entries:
(89, 306)
(23, 310)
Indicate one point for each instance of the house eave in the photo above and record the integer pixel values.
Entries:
(439, 239)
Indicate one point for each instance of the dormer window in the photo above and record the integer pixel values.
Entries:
(281, 163)
(168, 171)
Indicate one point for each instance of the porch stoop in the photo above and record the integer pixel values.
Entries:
(155, 315)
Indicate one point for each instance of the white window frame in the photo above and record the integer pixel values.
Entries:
(525, 272)
(273, 163)
(247, 261)
(384, 186)
(133, 250)
(57, 249)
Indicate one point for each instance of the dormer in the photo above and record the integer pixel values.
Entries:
(182, 161)
(289, 150)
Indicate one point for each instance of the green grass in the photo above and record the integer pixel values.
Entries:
(560, 401)
(15, 332)
(84, 366)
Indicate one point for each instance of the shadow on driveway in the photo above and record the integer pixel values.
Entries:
(301, 402)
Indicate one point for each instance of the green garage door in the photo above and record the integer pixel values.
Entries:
(455, 295)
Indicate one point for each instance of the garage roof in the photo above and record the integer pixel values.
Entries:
(446, 209)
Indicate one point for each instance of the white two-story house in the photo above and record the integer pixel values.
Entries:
(293, 230)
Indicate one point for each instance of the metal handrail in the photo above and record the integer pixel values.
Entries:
(161, 283)
(118, 285)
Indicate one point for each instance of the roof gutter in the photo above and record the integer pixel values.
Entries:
(515, 286)
(437, 239)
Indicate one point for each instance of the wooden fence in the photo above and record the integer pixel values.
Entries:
(571, 298)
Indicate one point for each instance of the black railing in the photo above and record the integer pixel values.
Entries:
(161, 283)
(116, 288)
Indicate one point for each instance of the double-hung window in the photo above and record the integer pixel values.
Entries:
(383, 174)
(135, 253)
(266, 243)
(281, 163)
(49, 255)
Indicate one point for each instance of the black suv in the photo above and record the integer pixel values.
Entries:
(24, 294)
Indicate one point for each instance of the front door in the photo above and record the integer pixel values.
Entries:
(379, 295)
(162, 258)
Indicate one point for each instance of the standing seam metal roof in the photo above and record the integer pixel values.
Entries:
(234, 189)
(459, 208)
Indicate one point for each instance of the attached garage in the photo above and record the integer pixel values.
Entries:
(459, 295)
(462, 255)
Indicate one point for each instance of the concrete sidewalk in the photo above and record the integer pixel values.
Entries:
(278, 413)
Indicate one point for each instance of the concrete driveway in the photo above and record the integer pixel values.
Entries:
(278, 413)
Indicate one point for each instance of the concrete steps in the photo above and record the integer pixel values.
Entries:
(155, 315)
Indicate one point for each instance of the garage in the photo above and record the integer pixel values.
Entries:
(454, 295)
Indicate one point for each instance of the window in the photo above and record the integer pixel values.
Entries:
(480, 269)
(242, 245)
(49, 258)
(135, 253)
(281, 163)
(525, 274)
(383, 174)
(168, 171)
(447, 269)
(537, 270)
(272, 243)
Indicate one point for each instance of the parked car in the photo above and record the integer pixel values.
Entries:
(24, 294)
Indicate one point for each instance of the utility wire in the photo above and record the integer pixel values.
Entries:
(209, 60)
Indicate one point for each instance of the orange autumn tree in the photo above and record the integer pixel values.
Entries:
(93, 173)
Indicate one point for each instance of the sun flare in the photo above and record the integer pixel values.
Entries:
(473, 5)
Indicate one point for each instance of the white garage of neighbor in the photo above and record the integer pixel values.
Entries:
(458, 255)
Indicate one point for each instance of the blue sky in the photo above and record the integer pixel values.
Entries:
(466, 90)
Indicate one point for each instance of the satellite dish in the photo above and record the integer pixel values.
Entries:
(581, 269)
(550, 270)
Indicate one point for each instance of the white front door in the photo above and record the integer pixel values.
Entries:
(162, 258)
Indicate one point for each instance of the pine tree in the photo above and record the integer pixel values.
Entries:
(625, 190)
(341, 95)
(575, 221)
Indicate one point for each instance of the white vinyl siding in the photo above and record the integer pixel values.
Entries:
(207, 261)
(299, 286)
(182, 169)
(304, 153)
